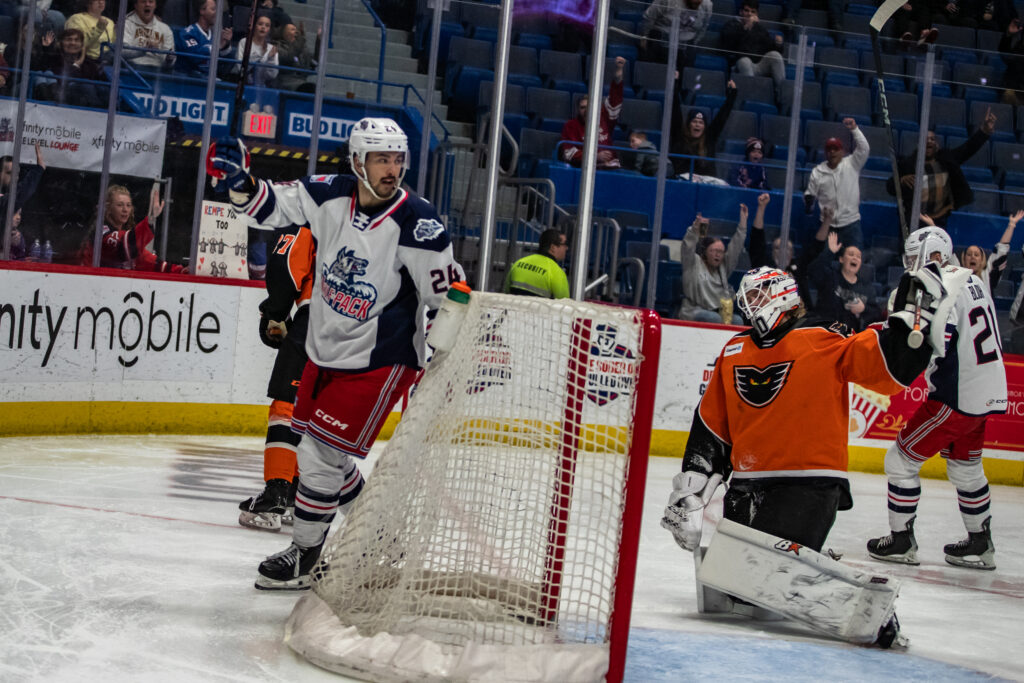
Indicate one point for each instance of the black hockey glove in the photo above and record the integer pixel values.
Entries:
(272, 332)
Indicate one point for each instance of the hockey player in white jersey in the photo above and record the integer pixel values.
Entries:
(382, 256)
(966, 384)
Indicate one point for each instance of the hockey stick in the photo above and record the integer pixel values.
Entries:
(236, 120)
(878, 21)
(916, 337)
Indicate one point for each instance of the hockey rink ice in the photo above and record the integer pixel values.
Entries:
(122, 560)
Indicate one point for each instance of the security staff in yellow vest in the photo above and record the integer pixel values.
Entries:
(540, 274)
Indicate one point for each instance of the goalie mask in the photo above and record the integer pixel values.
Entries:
(377, 135)
(927, 241)
(765, 294)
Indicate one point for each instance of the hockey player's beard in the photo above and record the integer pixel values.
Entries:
(386, 187)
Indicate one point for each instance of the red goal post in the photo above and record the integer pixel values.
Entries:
(497, 535)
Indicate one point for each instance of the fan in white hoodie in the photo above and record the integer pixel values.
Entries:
(835, 184)
(143, 29)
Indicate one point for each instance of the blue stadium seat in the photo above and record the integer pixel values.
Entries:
(986, 199)
(482, 19)
(669, 289)
(469, 63)
(523, 67)
(707, 60)
(515, 118)
(756, 90)
(981, 159)
(948, 116)
(741, 125)
(810, 99)
(975, 82)
(640, 114)
(537, 41)
(1004, 131)
(649, 80)
(543, 104)
(630, 219)
(1010, 159)
(535, 145)
(903, 110)
(1013, 200)
(843, 101)
(563, 70)
(698, 82)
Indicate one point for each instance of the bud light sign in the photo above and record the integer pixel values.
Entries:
(300, 126)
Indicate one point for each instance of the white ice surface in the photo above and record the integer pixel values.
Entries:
(122, 561)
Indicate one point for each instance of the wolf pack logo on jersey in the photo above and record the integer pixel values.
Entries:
(759, 386)
(491, 355)
(788, 547)
(340, 289)
(612, 367)
(427, 229)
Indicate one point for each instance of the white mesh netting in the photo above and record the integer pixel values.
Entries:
(488, 532)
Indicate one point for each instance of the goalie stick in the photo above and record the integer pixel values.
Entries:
(878, 21)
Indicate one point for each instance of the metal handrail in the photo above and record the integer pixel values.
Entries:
(634, 262)
(383, 43)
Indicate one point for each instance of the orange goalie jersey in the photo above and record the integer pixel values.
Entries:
(782, 410)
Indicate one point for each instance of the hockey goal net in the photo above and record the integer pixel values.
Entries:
(496, 537)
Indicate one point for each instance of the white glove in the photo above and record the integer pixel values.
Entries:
(688, 484)
(684, 514)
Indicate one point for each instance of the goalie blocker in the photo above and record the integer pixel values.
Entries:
(798, 583)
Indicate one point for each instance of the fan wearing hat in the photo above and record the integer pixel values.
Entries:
(695, 136)
(835, 184)
(751, 174)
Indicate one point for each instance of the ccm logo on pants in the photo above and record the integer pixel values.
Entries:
(337, 424)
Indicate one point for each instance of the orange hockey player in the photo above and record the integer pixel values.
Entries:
(773, 420)
(289, 283)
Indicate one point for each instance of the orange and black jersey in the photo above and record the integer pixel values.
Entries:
(780, 408)
(290, 278)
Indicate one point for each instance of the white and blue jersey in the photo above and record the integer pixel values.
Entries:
(194, 46)
(375, 273)
(970, 378)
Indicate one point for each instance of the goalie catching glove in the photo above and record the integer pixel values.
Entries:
(227, 163)
(684, 515)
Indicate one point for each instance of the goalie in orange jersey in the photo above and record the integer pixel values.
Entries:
(289, 284)
(767, 381)
(786, 473)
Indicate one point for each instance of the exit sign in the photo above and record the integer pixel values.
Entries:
(259, 124)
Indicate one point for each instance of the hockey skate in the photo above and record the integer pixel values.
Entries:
(288, 516)
(898, 546)
(975, 552)
(264, 511)
(288, 570)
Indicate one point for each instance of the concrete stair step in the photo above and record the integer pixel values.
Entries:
(343, 60)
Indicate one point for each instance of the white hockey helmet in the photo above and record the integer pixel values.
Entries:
(376, 135)
(766, 293)
(931, 240)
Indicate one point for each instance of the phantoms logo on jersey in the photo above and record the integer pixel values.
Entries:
(759, 386)
(612, 367)
(341, 290)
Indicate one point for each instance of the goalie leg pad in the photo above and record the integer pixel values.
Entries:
(797, 582)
